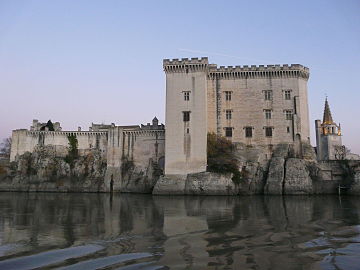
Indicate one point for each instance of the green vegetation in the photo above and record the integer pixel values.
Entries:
(73, 149)
(221, 157)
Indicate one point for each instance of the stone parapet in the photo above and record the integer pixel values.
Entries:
(253, 71)
(185, 65)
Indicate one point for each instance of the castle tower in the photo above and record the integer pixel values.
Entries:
(328, 135)
(186, 115)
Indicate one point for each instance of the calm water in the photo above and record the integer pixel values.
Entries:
(97, 231)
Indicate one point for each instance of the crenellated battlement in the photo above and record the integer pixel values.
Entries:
(185, 64)
(245, 71)
(293, 70)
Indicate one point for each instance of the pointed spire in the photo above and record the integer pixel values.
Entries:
(327, 114)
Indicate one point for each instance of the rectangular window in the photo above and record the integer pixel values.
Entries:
(186, 116)
(227, 95)
(288, 129)
(228, 131)
(287, 94)
(288, 114)
(187, 95)
(268, 94)
(268, 131)
(228, 114)
(267, 114)
(248, 132)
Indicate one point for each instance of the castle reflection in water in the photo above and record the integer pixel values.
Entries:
(196, 232)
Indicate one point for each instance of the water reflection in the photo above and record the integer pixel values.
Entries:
(126, 231)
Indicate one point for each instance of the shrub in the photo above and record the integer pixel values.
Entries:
(221, 157)
(73, 149)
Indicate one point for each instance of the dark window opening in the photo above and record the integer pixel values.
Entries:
(287, 94)
(228, 132)
(268, 94)
(186, 116)
(288, 129)
(248, 132)
(268, 131)
(187, 96)
(267, 114)
(228, 95)
(228, 114)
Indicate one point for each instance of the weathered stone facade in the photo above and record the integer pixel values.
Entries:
(257, 105)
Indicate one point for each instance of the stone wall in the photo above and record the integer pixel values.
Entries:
(26, 141)
(247, 104)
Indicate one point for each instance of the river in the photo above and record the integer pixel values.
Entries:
(128, 231)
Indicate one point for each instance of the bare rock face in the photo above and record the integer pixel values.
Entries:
(276, 173)
(253, 181)
(139, 179)
(297, 178)
(170, 184)
(205, 183)
(208, 183)
(43, 171)
(355, 187)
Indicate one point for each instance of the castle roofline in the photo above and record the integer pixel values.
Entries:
(245, 71)
(214, 68)
(186, 61)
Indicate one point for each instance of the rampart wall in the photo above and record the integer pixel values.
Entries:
(25, 141)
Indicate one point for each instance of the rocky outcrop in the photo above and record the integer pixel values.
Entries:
(297, 179)
(355, 187)
(205, 183)
(42, 170)
(284, 174)
(170, 184)
(275, 179)
(139, 179)
(208, 183)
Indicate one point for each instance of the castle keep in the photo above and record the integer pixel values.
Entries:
(254, 105)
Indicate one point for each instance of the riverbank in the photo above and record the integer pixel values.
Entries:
(283, 174)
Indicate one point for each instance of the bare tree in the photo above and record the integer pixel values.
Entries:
(341, 151)
(5, 147)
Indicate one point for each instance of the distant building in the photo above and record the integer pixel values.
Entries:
(328, 139)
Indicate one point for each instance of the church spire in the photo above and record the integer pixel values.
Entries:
(327, 114)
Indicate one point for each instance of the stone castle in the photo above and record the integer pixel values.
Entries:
(258, 106)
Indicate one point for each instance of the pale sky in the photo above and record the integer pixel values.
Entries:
(82, 61)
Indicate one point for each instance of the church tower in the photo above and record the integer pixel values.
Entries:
(328, 135)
